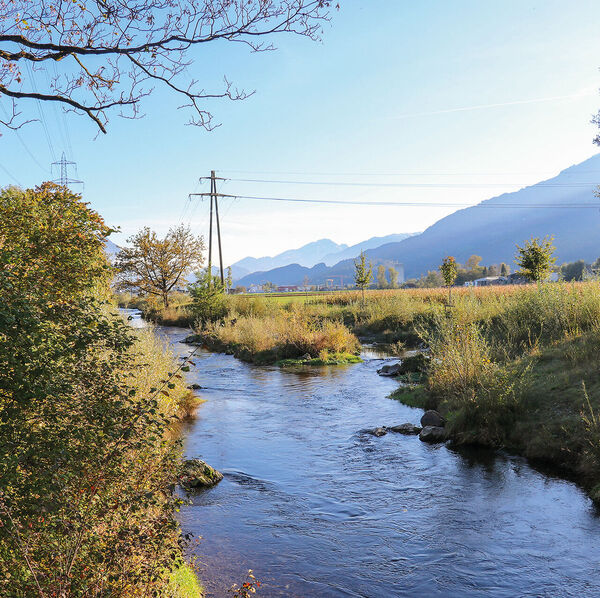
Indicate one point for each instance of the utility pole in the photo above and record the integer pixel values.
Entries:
(64, 164)
(214, 200)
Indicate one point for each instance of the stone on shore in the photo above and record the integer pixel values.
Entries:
(432, 434)
(432, 418)
(389, 370)
(197, 475)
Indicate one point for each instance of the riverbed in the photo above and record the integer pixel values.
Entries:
(319, 508)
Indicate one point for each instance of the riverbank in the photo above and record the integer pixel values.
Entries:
(525, 378)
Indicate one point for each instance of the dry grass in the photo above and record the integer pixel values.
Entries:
(286, 335)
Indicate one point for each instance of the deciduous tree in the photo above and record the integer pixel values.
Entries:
(393, 274)
(449, 272)
(363, 273)
(535, 258)
(153, 266)
(56, 241)
(382, 282)
(107, 56)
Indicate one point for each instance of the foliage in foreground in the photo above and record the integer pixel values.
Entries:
(87, 456)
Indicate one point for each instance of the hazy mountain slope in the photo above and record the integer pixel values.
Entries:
(290, 274)
(307, 255)
(353, 251)
(492, 232)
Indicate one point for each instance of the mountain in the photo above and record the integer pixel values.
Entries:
(354, 250)
(111, 249)
(307, 255)
(490, 229)
(494, 227)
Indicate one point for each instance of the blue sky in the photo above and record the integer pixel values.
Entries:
(479, 93)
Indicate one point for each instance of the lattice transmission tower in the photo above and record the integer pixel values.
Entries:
(64, 179)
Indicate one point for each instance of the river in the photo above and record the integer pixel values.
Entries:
(318, 508)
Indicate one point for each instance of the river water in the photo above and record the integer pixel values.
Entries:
(318, 508)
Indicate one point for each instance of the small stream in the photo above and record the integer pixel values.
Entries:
(318, 508)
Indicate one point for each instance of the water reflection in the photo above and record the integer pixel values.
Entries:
(318, 509)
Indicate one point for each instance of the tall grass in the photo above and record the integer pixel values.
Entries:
(285, 335)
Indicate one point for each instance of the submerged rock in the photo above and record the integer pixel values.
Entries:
(389, 370)
(377, 432)
(197, 475)
(432, 434)
(409, 429)
(432, 418)
(194, 386)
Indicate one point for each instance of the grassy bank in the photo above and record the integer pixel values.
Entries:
(520, 371)
(280, 336)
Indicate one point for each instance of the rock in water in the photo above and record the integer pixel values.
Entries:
(432, 418)
(194, 386)
(377, 432)
(389, 370)
(405, 429)
(197, 475)
(432, 434)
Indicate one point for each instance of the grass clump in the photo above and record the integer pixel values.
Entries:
(286, 335)
(183, 583)
(324, 358)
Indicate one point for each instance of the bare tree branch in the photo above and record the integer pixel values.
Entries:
(108, 51)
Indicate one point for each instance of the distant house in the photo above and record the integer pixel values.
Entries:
(288, 289)
(487, 281)
(255, 288)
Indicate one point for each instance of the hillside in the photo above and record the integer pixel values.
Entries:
(492, 228)
(308, 255)
(354, 250)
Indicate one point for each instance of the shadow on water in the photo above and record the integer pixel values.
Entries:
(318, 509)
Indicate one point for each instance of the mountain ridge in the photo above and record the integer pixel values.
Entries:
(491, 229)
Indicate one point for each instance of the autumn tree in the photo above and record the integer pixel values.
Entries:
(382, 282)
(504, 269)
(107, 56)
(535, 258)
(393, 274)
(56, 240)
(154, 266)
(363, 273)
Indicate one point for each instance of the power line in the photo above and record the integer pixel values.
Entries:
(411, 185)
(16, 132)
(12, 176)
(395, 173)
(414, 204)
(41, 112)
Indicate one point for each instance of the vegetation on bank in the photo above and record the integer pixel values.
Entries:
(88, 453)
(278, 335)
(520, 371)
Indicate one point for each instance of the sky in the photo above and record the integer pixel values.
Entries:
(435, 101)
